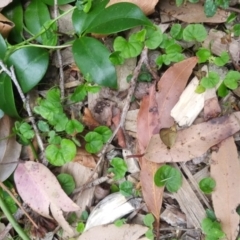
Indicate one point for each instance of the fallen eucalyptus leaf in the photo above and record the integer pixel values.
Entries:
(193, 141)
(40, 189)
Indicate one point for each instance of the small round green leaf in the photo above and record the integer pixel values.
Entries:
(59, 155)
(116, 58)
(203, 55)
(126, 188)
(207, 185)
(148, 220)
(129, 48)
(91, 57)
(105, 132)
(168, 176)
(119, 168)
(194, 32)
(176, 31)
(43, 126)
(153, 37)
(222, 59)
(67, 182)
(74, 126)
(210, 8)
(231, 79)
(210, 81)
(94, 142)
(30, 65)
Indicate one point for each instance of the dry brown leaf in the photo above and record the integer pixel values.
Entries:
(225, 170)
(40, 189)
(89, 120)
(147, 6)
(120, 134)
(170, 87)
(147, 122)
(9, 149)
(84, 158)
(112, 232)
(5, 26)
(191, 12)
(193, 141)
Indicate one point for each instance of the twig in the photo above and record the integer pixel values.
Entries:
(18, 203)
(143, 59)
(25, 101)
(231, 9)
(11, 219)
(3, 234)
(59, 57)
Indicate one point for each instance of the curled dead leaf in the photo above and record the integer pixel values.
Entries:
(5, 26)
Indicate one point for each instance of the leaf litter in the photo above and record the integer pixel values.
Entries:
(158, 140)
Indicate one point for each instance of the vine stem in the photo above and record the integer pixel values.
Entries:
(11, 219)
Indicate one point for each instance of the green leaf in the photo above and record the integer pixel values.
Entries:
(53, 138)
(126, 188)
(210, 214)
(67, 182)
(74, 126)
(3, 47)
(207, 185)
(203, 55)
(173, 48)
(94, 142)
(35, 16)
(81, 20)
(179, 2)
(222, 59)
(222, 90)
(116, 58)
(153, 37)
(105, 132)
(59, 2)
(49, 37)
(212, 229)
(231, 18)
(14, 12)
(168, 176)
(7, 99)
(119, 168)
(43, 126)
(231, 79)
(30, 65)
(59, 155)
(120, 222)
(80, 227)
(92, 89)
(236, 30)
(129, 48)
(148, 220)
(194, 32)
(200, 89)
(91, 56)
(79, 93)
(149, 234)
(118, 17)
(26, 130)
(10, 203)
(210, 81)
(210, 8)
(176, 31)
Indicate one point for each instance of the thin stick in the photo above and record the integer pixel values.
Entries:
(18, 203)
(133, 82)
(59, 57)
(25, 101)
(3, 234)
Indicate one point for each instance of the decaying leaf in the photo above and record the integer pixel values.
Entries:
(85, 158)
(89, 120)
(148, 120)
(147, 6)
(39, 188)
(170, 88)
(112, 232)
(5, 26)
(225, 170)
(9, 149)
(168, 136)
(193, 141)
(191, 12)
